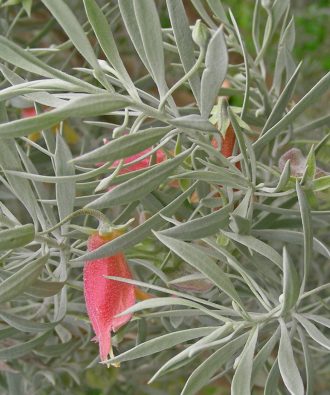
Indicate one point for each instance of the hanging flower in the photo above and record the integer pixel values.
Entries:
(106, 298)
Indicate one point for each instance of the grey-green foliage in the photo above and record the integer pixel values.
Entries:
(234, 248)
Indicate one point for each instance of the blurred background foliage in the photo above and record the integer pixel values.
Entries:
(28, 23)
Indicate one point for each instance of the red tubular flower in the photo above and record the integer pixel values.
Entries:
(228, 144)
(28, 112)
(106, 298)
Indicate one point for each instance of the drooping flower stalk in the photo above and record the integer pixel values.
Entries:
(106, 298)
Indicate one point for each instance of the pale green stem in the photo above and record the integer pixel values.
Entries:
(105, 182)
(315, 290)
(183, 79)
(87, 211)
(138, 122)
(122, 127)
(18, 15)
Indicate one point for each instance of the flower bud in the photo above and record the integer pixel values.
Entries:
(200, 34)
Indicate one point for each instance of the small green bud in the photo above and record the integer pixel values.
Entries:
(200, 34)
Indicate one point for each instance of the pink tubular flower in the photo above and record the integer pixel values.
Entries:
(142, 164)
(28, 112)
(106, 298)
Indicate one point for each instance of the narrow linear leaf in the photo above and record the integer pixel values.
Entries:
(198, 260)
(9, 160)
(162, 343)
(65, 191)
(216, 64)
(284, 177)
(107, 42)
(310, 170)
(218, 10)
(313, 332)
(44, 289)
(40, 97)
(150, 266)
(241, 382)
(256, 245)
(40, 189)
(282, 101)
(291, 283)
(184, 42)
(318, 318)
(312, 96)
(322, 183)
(318, 123)
(22, 279)
(16, 237)
(66, 18)
(27, 5)
(193, 122)
(200, 227)
(203, 13)
(309, 368)
(168, 301)
(58, 350)
(222, 253)
(208, 368)
(185, 355)
(137, 234)
(128, 14)
(124, 146)
(291, 236)
(272, 379)
(140, 186)
(265, 352)
(287, 364)
(17, 56)
(25, 325)
(30, 87)
(308, 233)
(175, 298)
(91, 105)
(151, 36)
(19, 350)
(246, 66)
(240, 139)
(225, 178)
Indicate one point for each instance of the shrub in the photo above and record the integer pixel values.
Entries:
(195, 152)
